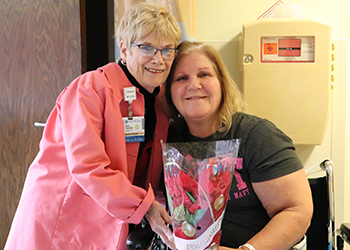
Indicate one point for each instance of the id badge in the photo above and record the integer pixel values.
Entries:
(134, 128)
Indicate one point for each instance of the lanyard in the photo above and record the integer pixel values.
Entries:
(134, 126)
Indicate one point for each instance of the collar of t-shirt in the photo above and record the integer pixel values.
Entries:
(191, 138)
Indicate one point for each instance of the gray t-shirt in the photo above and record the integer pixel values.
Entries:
(265, 153)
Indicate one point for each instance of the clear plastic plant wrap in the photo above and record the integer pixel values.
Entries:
(198, 177)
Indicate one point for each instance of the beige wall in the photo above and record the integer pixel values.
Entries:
(219, 23)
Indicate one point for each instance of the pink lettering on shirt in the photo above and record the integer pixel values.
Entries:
(240, 183)
(241, 194)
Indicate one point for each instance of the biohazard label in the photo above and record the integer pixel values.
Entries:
(287, 49)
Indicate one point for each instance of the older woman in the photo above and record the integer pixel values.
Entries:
(271, 204)
(98, 169)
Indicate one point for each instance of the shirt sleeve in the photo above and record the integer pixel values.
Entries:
(269, 153)
(82, 108)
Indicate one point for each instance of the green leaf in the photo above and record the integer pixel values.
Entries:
(192, 199)
(198, 214)
(190, 219)
(179, 213)
(193, 219)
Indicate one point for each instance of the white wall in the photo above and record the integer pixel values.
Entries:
(219, 23)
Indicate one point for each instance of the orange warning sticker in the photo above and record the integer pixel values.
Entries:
(270, 48)
(287, 49)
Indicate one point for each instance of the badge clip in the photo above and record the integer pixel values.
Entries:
(129, 96)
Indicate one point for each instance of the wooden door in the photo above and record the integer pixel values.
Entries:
(40, 53)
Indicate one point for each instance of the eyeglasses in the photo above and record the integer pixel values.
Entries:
(150, 51)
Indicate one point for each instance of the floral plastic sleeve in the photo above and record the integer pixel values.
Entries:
(198, 177)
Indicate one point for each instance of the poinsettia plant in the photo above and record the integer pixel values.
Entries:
(198, 177)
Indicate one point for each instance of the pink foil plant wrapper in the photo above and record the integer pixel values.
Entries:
(198, 177)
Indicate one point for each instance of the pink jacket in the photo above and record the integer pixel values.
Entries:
(78, 193)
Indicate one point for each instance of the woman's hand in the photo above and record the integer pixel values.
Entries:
(158, 217)
(226, 248)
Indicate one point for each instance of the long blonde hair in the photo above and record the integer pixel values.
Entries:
(232, 100)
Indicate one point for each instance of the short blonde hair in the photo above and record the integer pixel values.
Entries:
(145, 19)
(232, 100)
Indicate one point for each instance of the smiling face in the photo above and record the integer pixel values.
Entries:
(150, 72)
(196, 91)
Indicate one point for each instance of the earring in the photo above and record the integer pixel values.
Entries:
(123, 61)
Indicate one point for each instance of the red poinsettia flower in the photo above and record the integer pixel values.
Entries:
(200, 194)
(175, 188)
(199, 190)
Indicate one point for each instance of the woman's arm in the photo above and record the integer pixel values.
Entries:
(288, 202)
(88, 110)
